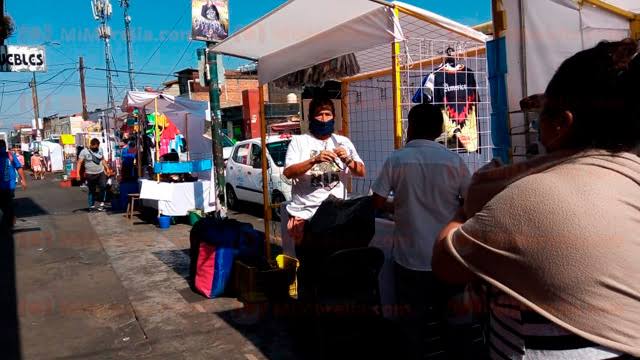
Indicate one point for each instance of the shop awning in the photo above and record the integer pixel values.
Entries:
(302, 33)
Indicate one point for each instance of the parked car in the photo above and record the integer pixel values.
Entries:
(244, 171)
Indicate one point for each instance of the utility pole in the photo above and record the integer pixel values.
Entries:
(216, 120)
(102, 11)
(1, 14)
(85, 114)
(36, 107)
(127, 22)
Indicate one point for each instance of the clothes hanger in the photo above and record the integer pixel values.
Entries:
(450, 59)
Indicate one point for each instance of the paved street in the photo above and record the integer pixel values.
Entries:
(97, 286)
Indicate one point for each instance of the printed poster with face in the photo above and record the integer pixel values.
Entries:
(210, 20)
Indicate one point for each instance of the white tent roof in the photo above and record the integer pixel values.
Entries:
(166, 103)
(629, 5)
(281, 45)
(175, 108)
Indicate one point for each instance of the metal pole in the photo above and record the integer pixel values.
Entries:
(216, 125)
(266, 198)
(83, 94)
(127, 23)
(36, 107)
(397, 94)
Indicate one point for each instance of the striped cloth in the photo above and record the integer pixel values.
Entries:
(515, 332)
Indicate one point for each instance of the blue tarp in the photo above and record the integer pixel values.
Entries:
(497, 65)
(182, 167)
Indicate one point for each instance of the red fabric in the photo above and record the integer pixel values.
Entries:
(170, 131)
(205, 268)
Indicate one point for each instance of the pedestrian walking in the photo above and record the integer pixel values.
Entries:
(96, 171)
(37, 166)
(8, 166)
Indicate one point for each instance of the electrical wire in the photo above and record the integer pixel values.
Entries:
(179, 60)
(44, 99)
(2, 99)
(162, 43)
(133, 72)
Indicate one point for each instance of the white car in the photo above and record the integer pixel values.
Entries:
(244, 171)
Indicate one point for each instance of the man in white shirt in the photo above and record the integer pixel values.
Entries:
(319, 164)
(428, 182)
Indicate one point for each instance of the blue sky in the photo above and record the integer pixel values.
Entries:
(70, 22)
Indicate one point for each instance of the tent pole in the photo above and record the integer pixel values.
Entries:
(397, 95)
(384, 3)
(265, 178)
(432, 22)
(186, 135)
(344, 104)
(635, 28)
(157, 117)
(612, 9)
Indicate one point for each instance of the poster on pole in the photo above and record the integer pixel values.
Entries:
(17, 58)
(210, 20)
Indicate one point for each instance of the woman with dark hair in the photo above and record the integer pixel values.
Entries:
(556, 238)
(319, 164)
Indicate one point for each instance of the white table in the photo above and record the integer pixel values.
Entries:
(176, 199)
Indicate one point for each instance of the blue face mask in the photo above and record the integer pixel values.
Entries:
(320, 128)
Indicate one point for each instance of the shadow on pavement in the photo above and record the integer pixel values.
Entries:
(287, 331)
(9, 326)
(26, 207)
(177, 260)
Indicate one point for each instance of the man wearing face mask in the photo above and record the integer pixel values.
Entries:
(95, 167)
(319, 164)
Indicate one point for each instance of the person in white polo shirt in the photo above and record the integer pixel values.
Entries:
(428, 183)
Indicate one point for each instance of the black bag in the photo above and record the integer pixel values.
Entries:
(341, 224)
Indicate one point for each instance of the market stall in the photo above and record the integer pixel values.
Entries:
(170, 141)
(390, 51)
(529, 48)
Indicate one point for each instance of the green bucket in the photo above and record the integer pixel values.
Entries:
(194, 216)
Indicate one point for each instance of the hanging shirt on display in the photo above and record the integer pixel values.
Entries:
(454, 89)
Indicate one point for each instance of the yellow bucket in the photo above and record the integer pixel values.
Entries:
(285, 262)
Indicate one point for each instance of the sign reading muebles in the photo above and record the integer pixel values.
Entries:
(16, 58)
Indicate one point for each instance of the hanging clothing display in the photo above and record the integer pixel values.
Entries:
(454, 89)
(340, 67)
(168, 133)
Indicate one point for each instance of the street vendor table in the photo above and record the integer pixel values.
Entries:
(176, 199)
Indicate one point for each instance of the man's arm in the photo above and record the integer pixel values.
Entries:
(23, 179)
(357, 168)
(299, 169)
(446, 267)
(79, 166)
(106, 167)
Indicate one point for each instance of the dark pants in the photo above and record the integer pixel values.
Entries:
(97, 184)
(7, 208)
(417, 292)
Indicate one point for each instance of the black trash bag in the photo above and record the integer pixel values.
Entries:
(341, 224)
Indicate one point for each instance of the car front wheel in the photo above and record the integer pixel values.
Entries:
(232, 199)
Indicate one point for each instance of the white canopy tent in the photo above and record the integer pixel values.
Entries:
(281, 46)
(540, 34)
(188, 116)
(293, 37)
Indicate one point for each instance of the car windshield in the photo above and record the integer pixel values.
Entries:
(278, 151)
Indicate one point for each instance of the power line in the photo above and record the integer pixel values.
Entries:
(133, 72)
(162, 43)
(2, 99)
(44, 99)
(179, 60)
